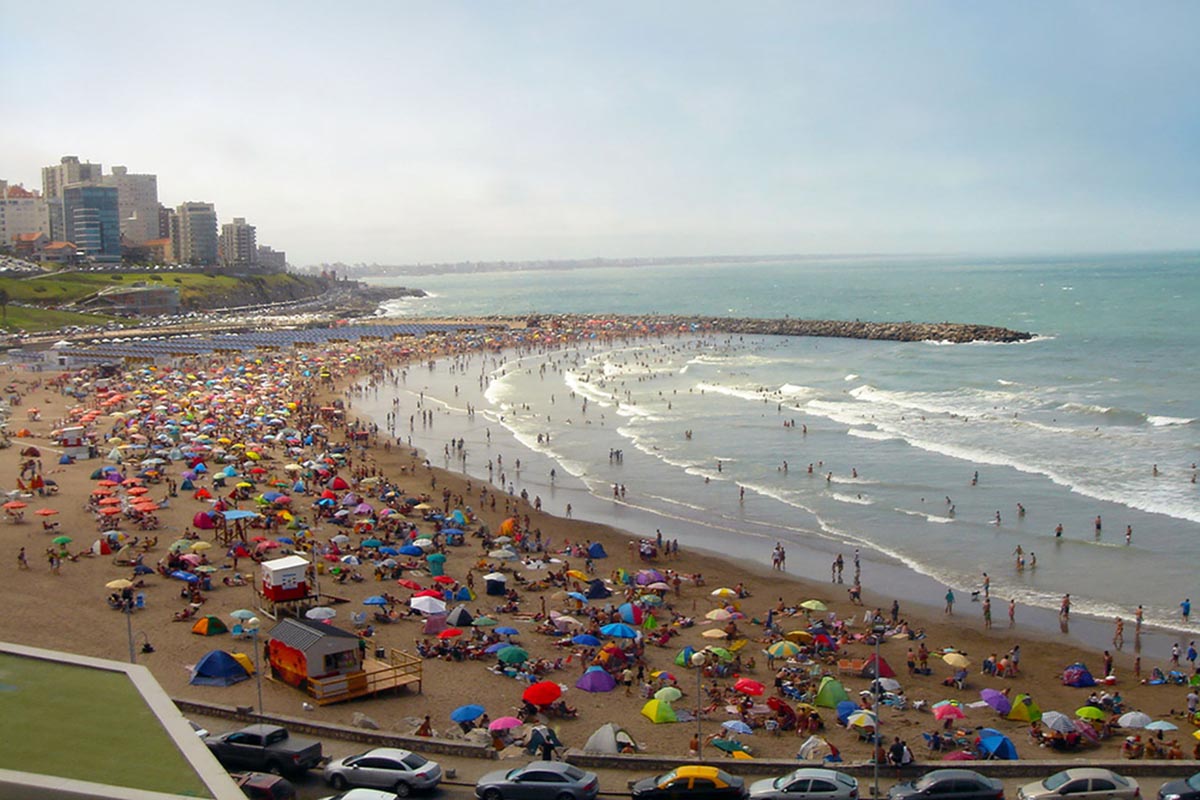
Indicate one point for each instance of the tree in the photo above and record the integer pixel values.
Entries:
(4, 304)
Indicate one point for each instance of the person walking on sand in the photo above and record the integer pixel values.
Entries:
(22, 560)
(949, 601)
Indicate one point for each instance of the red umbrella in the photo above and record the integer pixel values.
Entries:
(429, 593)
(46, 512)
(450, 633)
(747, 686)
(444, 579)
(407, 584)
(110, 511)
(108, 501)
(542, 693)
(958, 755)
(948, 710)
(136, 490)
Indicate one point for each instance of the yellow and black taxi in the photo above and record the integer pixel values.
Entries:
(691, 782)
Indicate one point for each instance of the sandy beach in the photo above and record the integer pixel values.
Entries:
(64, 606)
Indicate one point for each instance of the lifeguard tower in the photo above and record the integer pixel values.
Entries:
(284, 586)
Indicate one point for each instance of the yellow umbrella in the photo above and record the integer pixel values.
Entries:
(198, 546)
(737, 645)
(119, 583)
(724, 591)
(245, 485)
(798, 636)
(957, 660)
(577, 575)
(713, 634)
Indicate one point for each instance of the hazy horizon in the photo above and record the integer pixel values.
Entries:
(404, 133)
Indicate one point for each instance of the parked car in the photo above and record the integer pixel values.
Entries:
(539, 780)
(361, 794)
(265, 748)
(951, 784)
(1081, 784)
(401, 771)
(1183, 789)
(264, 786)
(806, 783)
(698, 782)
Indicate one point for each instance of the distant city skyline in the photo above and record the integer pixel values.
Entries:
(403, 133)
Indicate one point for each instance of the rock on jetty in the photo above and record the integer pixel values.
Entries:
(956, 332)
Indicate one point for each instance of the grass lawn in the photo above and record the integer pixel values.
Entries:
(20, 318)
(87, 724)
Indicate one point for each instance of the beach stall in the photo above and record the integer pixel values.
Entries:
(73, 442)
(331, 664)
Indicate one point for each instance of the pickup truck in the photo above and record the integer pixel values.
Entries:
(265, 748)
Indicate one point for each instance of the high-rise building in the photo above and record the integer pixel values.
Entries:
(137, 202)
(57, 177)
(238, 245)
(92, 222)
(197, 233)
(21, 211)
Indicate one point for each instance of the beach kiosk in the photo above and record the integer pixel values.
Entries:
(331, 664)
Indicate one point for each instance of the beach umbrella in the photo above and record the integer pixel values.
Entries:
(505, 630)
(320, 613)
(428, 605)
(542, 693)
(483, 622)
(376, 600)
(467, 713)
(798, 636)
(1162, 725)
(814, 605)
(442, 579)
(585, 640)
(120, 583)
(450, 633)
(948, 711)
(580, 596)
(783, 649)
(748, 686)
(372, 543)
(242, 614)
(737, 726)
(196, 547)
(959, 755)
(1090, 712)
(185, 576)
(718, 615)
(61, 540)
(997, 700)
(714, 634)
(596, 679)
(504, 724)
(720, 652)
(862, 719)
(1134, 719)
(1057, 721)
(46, 512)
(13, 505)
(668, 694)
(411, 550)
(512, 654)
(723, 592)
(957, 660)
(619, 630)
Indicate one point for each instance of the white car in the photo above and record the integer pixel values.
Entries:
(399, 771)
(806, 783)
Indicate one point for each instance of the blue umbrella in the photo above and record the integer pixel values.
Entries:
(411, 550)
(388, 551)
(737, 726)
(452, 532)
(497, 647)
(994, 744)
(577, 596)
(236, 514)
(375, 600)
(185, 576)
(586, 640)
(507, 631)
(372, 542)
(466, 713)
(620, 630)
(286, 540)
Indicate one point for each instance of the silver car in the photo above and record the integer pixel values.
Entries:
(539, 780)
(806, 783)
(399, 771)
(1082, 783)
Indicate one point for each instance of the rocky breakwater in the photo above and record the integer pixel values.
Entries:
(957, 332)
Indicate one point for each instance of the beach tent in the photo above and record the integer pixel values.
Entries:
(209, 626)
(884, 669)
(497, 583)
(1024, 709)
(830, 693)
(596, 679)
(995, 745)
(684, 657)
(101, 547)
(844, 709)
(203, 520)
(658, 711)
(1077, 675)
(609, 738)
(597, 590)
(596, 550)
(218, 668)
(459, 617)
(245, 661)
(814, 748)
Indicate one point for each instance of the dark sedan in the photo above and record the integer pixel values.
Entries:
(539, 780)
(1183, 789)
(949, 784)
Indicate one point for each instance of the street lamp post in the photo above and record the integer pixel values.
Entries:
(876, 688)
(129, 628)
(251, 627)
(698, 662)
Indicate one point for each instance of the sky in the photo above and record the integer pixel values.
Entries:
(401, 132)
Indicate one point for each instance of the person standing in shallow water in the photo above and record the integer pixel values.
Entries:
(949, 601)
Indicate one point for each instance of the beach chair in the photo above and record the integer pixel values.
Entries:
(851, 666)
(139, 602)
(358, 618)
(237, 631)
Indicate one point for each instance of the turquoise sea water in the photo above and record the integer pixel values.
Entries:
(1070, 425)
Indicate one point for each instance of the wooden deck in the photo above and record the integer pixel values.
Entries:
(397, 669)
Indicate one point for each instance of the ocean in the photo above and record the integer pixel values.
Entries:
(922, 454)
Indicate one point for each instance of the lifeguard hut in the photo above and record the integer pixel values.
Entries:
(284, 584)
(73, 442)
